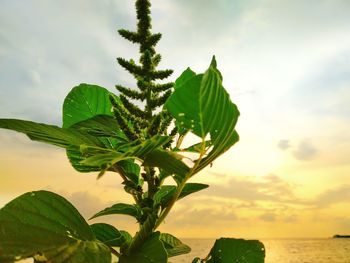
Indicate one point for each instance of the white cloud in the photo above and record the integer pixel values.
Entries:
(281, 62)
(306, 151)
(283, 144)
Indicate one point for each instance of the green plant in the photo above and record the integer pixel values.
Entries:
(105, 132)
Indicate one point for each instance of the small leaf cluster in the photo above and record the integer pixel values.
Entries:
(138, 135)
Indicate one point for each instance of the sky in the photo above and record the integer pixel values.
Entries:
(286, 64)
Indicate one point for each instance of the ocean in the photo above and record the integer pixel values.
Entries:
(320, 250)
(308, 250)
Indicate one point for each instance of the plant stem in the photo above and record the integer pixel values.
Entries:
(122, 174)
(181, 186)
(145, 231)
(150, 182)
(114, 252)
(180, 140)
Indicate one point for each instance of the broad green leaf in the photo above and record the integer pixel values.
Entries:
(126, 236)
(190, 188)
(109, 235)
(110, 137)
(174, 247)
(218, 149)
(203, 106)
(164, 195)
(106, 130)
(131, 171)
(227, 250)
(109, 158)
(104, 127)
(152, 251)
(184, 106)
(166, 192)
(184, 77)
(168, 161)
(45, 225)
(196, 148)
(180, 81)
(84, 102)
(163, 175)
(97, 156)
(75, 158)
(49, 133)
(121, 209)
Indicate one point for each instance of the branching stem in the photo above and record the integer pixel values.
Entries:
(180, 140)
(179, 189)
(114, 252)
(123, 176)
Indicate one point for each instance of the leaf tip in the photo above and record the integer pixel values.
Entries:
(213, 62)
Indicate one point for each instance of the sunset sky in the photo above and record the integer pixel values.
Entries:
(286, 64)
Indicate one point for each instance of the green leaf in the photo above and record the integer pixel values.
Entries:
(75, 158)
(102, 126)
(191, 188)
(109, 157)
(106, 130)
(131, 171)
(203, 106)
(152, 251)
(219, 149)
(104, 160)
(163, 175)
(184, 105)
(184, 77)
(90, 158)
(227, 250)
(166, 192)
(84, 102)
(109, 235)
(196, 148)
(49, 133)
(174, 247)
(180, 81)
(121, 209)
(168, 161)
(45, 225)
(126, 236)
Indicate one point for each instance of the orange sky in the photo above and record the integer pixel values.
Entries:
(285, 64)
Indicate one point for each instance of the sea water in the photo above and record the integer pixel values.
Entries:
(325, 250)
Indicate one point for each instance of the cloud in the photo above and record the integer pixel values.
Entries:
(283, 144)
(244, 201)
(291, 218)
(56, 56)
(278, 215)
(344, 223)
(325, 91)
(306, 151)
(268, 217)
(189, 216)
(294, 55)
(86, 203)
(265, 188)
(14, 142)
(341, 194)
